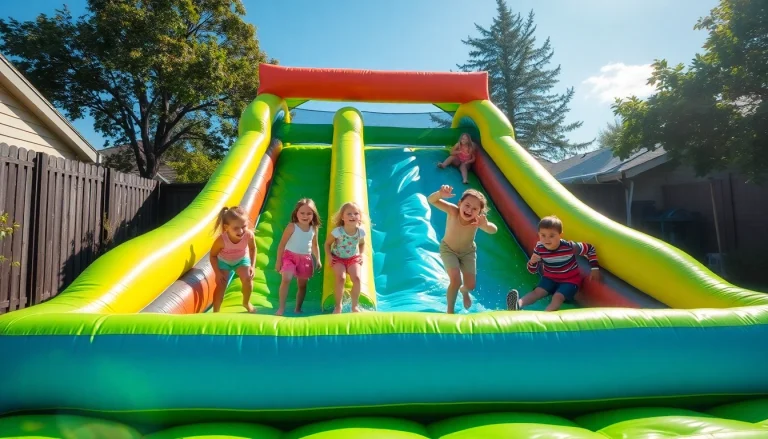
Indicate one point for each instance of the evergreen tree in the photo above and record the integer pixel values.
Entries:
(520, 83)
(609, 136)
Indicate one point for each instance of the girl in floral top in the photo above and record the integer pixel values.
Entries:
(345, 249)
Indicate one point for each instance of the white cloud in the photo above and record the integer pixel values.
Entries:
(618, 80)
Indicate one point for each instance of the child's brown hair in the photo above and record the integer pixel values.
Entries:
(311, 204)
(229, 214)
(338, 217)
(480, 197)
(551, 222)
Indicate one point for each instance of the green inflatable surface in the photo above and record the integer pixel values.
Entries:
(300, 171)
(630, 423)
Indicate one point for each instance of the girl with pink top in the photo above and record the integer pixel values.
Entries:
(295, 251)
(462, 156)
(234, 250)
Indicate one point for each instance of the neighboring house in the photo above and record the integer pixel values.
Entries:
(165, 173)
(705, 216)
(29, 121)
(600, 167)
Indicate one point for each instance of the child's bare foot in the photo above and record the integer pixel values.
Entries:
(440, 165)
(297, 310)
(337, 310)
(280, 311)
(249, 307)
(355, 309)
(465, 182)
(467, 299)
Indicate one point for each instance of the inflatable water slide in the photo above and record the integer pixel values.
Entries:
(660, 347)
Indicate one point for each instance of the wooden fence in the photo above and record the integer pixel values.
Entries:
(69, 213)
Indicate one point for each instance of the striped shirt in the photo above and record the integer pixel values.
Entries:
(560, 264)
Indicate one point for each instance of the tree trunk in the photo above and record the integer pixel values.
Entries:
(152, 165)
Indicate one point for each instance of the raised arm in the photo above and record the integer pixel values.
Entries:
(436, 199)
(533, 263)
(485, 225)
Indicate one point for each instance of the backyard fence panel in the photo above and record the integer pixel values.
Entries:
(69, 214)
(17, 167)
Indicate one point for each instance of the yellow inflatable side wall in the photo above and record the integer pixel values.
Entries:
(651, 265)
(128, 277)
(348, 183)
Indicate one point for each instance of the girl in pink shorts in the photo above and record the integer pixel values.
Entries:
(345, 247)
(462, 156)
(294, 254)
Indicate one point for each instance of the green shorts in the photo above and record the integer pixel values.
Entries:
(233, 266)
(465, 260)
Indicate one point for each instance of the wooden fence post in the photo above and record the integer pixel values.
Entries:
(37, 243)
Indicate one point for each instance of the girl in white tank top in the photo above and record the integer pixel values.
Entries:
(295, 251)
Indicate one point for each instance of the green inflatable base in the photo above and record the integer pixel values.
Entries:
(746, 419)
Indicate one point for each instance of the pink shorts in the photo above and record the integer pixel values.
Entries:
(300, 266)
(356, 259)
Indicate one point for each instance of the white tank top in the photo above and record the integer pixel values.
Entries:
(300, 241)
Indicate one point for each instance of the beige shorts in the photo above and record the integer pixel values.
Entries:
(465, 260)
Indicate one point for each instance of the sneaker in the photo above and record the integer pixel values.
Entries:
(513, 300)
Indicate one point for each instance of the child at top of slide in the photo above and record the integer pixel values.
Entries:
(234, 250)
(561, 277)
(345, 247)
(457, 248)
(462, 156)
(295, 251)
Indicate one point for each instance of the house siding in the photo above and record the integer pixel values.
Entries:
(21, 128)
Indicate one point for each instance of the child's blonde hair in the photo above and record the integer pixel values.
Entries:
(338, 217)
(480, 197)
(229, 214)
(311, 204)
(470, 142)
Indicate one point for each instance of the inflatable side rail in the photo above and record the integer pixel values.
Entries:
(648, 264)
(348, 183)
(130, 276)
(193, 292)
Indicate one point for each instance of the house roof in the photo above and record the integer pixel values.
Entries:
(165, 173)
(544, 162)
(25, 92)
(601, 166)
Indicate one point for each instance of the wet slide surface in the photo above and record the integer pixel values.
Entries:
(301, 171)
(406, 231)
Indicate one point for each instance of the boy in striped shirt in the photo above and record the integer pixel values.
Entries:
(560, 275)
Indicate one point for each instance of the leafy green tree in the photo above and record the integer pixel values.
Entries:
(152, 73)
(714, 114)
(192, 163)
(520, 83)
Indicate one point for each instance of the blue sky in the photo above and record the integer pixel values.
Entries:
(604, 47)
